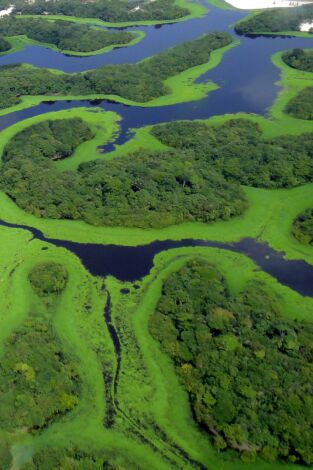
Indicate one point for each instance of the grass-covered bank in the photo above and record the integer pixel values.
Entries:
(158, 386)
(77, 318)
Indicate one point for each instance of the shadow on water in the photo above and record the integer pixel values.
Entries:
(130, 263)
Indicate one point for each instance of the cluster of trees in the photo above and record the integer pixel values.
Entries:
(144, 189)
(65, 35)
(139, 82)
(238, 151)
(4, 45)
(48, 278)
(303, 227)
(276, 20)
(301, 106)
(299, 59)
(247, 368)
(70, 458)
(106, 10)
(38, 382)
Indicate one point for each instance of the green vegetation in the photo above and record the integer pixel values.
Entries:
(48, 278)
(107, 10)
(303, 227)
(38, 381)
(4, 45)
(301, 105)
(196, 182)
(64, 35)
(246, 368)
(150, 397)
(71, 459)
(132, 82)
(276, 20)
(136, 190)
(237, 150)
(269, 217)
(299, 59)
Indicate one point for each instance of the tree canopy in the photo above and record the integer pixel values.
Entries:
(303, 227)
(106, 10)
(65, 35)
(276, 20)
(238, 151)
(247, 368)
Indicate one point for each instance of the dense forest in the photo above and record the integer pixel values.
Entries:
(139, 82)
(62, 34)
(301, 105)
(4, 45)
(38, 381)
(247, 368)
(106, 10)
(276, 20)
(69, 459)
(196, 181)
(143, 189)
(237, 150)
(299, 59)
(303, 227)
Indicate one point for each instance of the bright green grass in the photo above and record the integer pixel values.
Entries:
(196, 10)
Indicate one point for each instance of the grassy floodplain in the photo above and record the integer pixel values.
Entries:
(150, 373)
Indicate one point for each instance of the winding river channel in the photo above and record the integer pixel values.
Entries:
(246, 79)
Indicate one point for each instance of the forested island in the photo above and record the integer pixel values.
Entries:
(65, 35)
(139, 82)
(303, 227)
(198, 180)
(106, 10)
(246, 367)
(276, 20)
